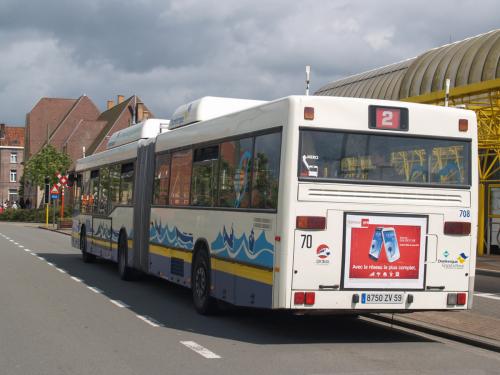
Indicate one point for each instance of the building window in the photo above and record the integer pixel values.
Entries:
(13, 157)
(13, 196)
(13, 175)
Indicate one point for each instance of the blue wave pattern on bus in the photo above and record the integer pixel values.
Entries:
(259, 252)
(106, 233)
(163, 235)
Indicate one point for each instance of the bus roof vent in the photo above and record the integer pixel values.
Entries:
(207, 108)
(149, 128)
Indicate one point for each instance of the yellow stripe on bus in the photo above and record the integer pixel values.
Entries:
(243, 270)
(171, 253)
(232, 268)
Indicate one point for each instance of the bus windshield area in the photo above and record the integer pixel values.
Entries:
(384, 158)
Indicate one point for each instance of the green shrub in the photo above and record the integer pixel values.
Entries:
(32, 215)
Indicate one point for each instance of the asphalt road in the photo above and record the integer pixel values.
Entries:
(487, 296)
(61, 316)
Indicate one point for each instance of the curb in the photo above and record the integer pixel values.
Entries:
(487, 272)
(463, 337)
(54, 230)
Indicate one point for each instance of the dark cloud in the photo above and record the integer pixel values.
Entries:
(169, 52)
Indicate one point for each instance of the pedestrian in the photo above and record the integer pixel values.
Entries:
(28, 203)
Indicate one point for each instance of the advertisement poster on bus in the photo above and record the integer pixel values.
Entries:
(384, 251)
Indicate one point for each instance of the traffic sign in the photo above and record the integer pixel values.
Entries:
(54, 190)
(54, 196)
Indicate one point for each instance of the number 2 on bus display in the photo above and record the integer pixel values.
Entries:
(387, 118)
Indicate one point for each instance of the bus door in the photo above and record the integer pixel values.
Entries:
(144, 176)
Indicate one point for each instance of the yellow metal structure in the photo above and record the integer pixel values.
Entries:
(484, 99)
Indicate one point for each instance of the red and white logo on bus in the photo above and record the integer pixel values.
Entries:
(323, 251)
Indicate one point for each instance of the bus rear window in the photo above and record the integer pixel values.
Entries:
(384, 158)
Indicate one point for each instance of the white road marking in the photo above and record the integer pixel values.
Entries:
(27, 250)
(119, 303)
(34, 254)
(39, 257)
(21, 246)
(488, 295)
(61, 270)
(149, 320)
(50, 264)
(95, 290)
(200, 349)
(77, 279)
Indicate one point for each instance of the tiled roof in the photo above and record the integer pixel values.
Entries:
(14, 136)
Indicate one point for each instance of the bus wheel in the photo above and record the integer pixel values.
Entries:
(123, 270)
(200, 284)
(86, 256)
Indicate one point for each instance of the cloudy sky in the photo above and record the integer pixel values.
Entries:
(172, 51)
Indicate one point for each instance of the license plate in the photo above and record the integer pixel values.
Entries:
(381, 298)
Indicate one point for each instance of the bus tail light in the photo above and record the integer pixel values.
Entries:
(299, 298)
(451, 299)
(463, 125)
(311, 222)
(457, 227)
(461, 299)
(310, 298)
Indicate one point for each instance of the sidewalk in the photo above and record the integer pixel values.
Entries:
(465, 326)
(488, 265)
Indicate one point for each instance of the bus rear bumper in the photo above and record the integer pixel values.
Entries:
(380, 301)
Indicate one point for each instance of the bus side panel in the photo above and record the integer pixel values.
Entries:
(241, 246)
(121, 218)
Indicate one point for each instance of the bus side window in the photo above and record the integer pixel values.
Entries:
(180, 180)
(114, 184)
(204, 180)
(266, 166)
(94, 191)
(103, 191)
(127, 184)
(85, 207)
(235, 173)
(162, 175)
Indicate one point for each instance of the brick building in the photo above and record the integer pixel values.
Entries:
(77, 127)
(11, 158)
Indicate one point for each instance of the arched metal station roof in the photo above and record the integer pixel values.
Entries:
(472, 60)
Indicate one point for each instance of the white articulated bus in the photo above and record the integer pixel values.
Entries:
(306, 203)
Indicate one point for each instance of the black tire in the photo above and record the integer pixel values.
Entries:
(123, 270)
(86, 256)
(200, 284)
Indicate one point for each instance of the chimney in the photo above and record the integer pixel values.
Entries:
(110, 104)
(2, 131)
(139, 112)
(120, 99)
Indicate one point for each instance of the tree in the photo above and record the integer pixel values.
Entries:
(47, 162)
